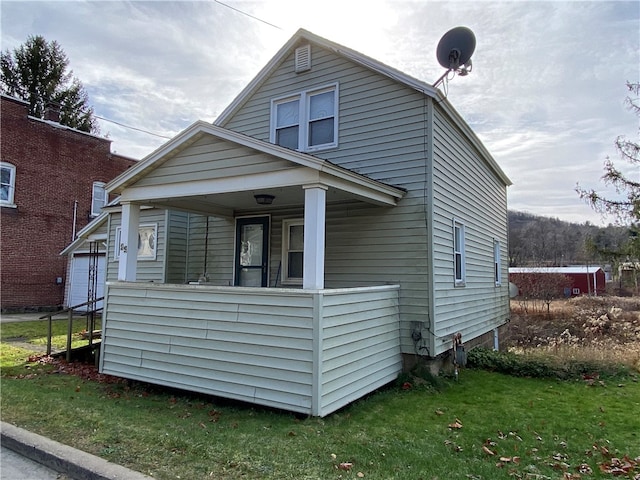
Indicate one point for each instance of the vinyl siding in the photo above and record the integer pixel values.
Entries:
(177, 246)
(212, 158)
(381, 134)
(147, 270)
(309, 352)
(465, 189)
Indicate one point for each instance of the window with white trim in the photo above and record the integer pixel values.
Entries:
(306, 121)
(147, 242)
(98, 198)
(7, 184)
(497, 273)
(458, 253)
(292, 251)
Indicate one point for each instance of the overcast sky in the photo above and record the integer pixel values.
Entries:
(546, 94)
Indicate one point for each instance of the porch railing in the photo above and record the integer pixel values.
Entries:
(69, 312)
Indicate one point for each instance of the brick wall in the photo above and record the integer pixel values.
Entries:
(55, 167)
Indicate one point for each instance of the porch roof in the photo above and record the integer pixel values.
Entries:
(232, 192)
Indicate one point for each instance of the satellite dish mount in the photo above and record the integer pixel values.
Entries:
(454, 52)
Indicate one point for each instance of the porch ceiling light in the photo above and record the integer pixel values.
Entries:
(264, 199)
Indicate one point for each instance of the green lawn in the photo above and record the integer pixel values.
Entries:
(542, 429)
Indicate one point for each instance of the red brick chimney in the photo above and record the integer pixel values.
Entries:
(52, 112)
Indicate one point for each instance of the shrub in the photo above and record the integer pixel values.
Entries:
(539, 366)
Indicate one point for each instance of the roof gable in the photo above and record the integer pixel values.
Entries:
(303, 36)
(172, 172)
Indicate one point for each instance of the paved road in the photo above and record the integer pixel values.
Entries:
(14, 466)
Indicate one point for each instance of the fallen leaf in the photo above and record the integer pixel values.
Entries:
(334, 456)
(360, 475)
(488, 451)
(439, 412)
(456, 424)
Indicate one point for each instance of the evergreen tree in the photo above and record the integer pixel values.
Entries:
(627, 208)
(36, 72)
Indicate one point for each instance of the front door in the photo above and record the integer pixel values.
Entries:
(252, 252)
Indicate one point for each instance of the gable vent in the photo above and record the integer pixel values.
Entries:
(303, 58)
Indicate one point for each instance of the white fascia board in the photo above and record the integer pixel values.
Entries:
(84, 233)
(242, 183)
(238, 183)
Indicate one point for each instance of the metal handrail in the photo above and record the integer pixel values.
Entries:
(69, 311)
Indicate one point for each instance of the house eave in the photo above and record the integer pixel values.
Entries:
(308, 169)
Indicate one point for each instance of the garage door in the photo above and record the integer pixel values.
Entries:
(79, 287)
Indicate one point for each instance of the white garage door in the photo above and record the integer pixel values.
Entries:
(78, 290)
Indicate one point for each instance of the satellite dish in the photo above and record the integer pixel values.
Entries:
(454, 51)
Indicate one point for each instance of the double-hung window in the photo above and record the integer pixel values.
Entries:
(306, 121)
(497, 274)
(7, 184)
(98, 198)
(458, 253)
(292, 251)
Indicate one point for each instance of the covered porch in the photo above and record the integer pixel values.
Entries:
(308, 348)
(307, 351)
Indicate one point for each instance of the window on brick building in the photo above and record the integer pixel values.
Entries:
(98, 199)
(7, 184)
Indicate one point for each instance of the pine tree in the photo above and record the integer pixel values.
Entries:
(627, 208)
(36, 72)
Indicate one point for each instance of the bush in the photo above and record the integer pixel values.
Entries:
(539, 366)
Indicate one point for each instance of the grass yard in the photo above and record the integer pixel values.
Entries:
(486, 426)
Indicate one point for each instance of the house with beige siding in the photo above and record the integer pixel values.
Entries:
(337, 222)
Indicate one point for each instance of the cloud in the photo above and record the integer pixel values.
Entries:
(545, 95)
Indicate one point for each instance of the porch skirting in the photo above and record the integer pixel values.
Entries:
(307, 351)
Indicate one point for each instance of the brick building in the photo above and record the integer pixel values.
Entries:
(52, 185)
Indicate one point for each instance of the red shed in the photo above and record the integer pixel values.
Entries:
(586, 280)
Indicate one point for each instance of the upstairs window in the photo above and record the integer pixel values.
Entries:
(98, 198)
(7, 184)
(306, 121)
(458, 254)
(497, 274)
(292, 251)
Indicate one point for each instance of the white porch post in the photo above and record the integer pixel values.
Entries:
(315, 199)
(128, 242)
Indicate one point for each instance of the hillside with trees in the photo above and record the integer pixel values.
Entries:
(543, 241)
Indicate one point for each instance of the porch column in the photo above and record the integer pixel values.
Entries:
(315, 199)
(128, 242)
